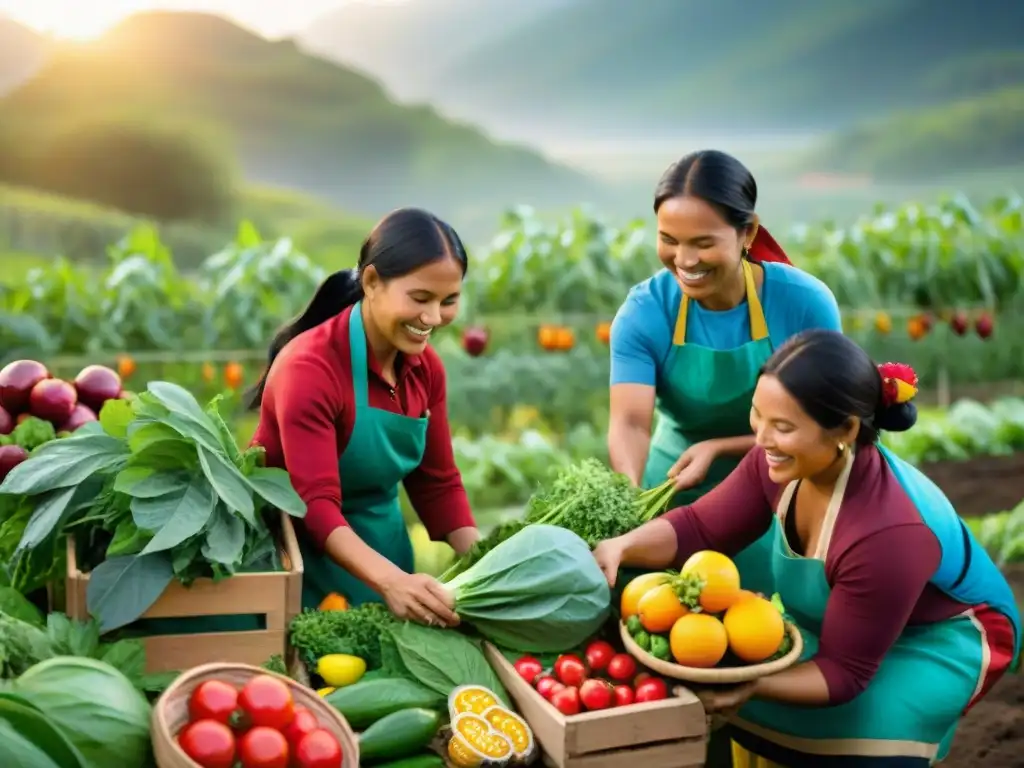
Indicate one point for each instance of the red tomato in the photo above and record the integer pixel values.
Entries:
(567, 701)
(653, 689)
(623, 695)
(528, 668)
(621, 667)
(598, 654)
(570, 670)
(596, 694)
(210, 743)
(547, 685)
(263, 747)
(641, 677)
(561, 660)
(267, 701)
(212, 700)
(304, 722)
(318, 749)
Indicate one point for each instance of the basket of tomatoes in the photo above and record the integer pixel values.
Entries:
(700, 626)
(238, 716)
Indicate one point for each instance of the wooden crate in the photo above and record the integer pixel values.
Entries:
(276, 596)
(659, 734)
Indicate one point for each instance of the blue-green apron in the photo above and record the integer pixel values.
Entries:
(384, 448)
(704, 394)
(906, 716)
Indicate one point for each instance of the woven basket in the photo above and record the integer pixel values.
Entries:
(171, 712)
(714, 675)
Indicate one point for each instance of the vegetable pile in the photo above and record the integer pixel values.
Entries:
(600, 678)
(701, 617)
(156, 489)
(257, 726)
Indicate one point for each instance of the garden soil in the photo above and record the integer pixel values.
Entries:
(982, 485)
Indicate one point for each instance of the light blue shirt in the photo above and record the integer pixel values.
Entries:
(641, 339)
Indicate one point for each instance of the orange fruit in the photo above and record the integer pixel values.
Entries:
(698, 640)
(604, 332)
(547, 337)
(125, 366)
(746, 594)
(636, 589)
(333, 602)
(721, 579)
(565, 339)
(755, 629)
(659, 609)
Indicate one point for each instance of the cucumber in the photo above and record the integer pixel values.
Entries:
(366, 702)
(426, 760)
(400, 734)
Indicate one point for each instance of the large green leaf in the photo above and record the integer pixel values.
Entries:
(143, 482)
(29, 740)
(191, 512)
(229, 483)
(121, 589)
(225, 539)
(275, 487)
(64, 463)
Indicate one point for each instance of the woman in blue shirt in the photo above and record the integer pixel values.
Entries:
(688, 343)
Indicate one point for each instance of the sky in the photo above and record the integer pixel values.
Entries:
(85, 19)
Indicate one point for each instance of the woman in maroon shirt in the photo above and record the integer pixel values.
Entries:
(354, 403)
(906, 620)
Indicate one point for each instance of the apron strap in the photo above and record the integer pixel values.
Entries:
(758, 325)
(357, 357)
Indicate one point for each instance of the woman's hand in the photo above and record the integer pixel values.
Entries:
(420, 598)
(726, 701)
(692, 467)
(609, 556)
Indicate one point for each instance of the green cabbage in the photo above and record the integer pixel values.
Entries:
(96, 708)
(539, 591)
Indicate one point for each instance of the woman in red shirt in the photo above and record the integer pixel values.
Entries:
(354, 402)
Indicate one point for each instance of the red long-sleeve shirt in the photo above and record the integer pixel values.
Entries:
(308, 413)
(879, 563)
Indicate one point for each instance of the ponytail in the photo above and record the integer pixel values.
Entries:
(336, 294)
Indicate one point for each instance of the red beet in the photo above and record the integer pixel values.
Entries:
(959, 323)
(10, 457)
(984, 326)
(474, 341)
(6, 421)
(53, 400)
(16, 382)
(96, 384)
(82, 414)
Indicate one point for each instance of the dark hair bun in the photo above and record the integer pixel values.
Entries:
(896, 418)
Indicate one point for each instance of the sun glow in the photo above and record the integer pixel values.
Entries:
(72, 19)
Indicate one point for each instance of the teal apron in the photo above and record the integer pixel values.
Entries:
(384, 448)
(704, 394)
(909, 712)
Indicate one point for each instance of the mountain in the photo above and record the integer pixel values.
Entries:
(22, 53)
(597, 67)
(296, 120)
(408, 43)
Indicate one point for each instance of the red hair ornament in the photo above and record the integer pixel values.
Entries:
(899, 383)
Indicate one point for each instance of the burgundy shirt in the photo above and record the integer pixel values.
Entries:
(308, 413)
(879, 562)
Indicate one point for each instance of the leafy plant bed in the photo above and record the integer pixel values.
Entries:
(275, 598)
(982, 485)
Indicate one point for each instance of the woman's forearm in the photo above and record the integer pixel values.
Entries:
(628, 445)
(653, 545)
(734, 446)
(461, 539)
(357, 557)
(803, 685)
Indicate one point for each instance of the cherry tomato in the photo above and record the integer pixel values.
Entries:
(598, 654)
(267, 701)
(653, 689)
(641, 677)
(623, 695)
(303, 723)
(318, 749)
(567, 701)
(212, 700)
(561, 660)
(571, 671)
(210, 743)
(596, 694)
(547, 685)
(529, 668)
(263, 747)
(621, 667)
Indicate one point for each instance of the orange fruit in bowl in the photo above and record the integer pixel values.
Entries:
(636, 589)
(698, 640)
(660, 608)
(755, 629)
(721, 579)
(746, 594)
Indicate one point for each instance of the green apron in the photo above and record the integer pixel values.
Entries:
(383, 449)
(703, 394)
(909, 712)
